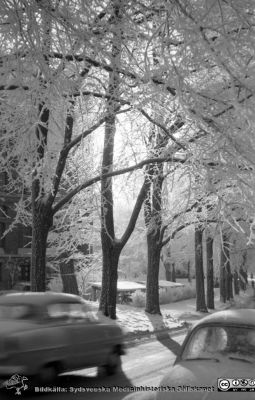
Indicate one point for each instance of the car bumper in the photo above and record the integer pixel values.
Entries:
(9, 370)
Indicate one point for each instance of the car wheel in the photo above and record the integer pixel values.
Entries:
(47, 374)
(113, 364)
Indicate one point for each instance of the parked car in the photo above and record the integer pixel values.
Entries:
(216, 360)
(45, 334)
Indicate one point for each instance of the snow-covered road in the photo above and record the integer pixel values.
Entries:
(143, 367)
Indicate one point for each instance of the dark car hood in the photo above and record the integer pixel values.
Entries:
(204, 374)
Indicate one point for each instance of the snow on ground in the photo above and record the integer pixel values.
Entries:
(174, 315)
(136, 320)
(122, 285)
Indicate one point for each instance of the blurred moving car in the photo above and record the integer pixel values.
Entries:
(218, 353)
(45, 334)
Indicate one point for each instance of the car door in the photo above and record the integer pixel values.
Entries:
(86, 339)
(89, 342)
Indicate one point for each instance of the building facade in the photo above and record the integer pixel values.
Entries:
(15, 245)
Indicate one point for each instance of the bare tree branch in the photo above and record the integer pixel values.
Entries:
(90, 182)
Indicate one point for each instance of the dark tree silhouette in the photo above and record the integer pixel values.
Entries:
(200, 290)
(210, 275)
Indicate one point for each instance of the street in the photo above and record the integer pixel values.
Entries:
(142, 367)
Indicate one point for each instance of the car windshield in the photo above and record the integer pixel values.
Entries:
(15, 311)
(214, 342)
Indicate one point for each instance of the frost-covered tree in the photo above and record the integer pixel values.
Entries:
(40, 103)
(54, 67)
(90, 62)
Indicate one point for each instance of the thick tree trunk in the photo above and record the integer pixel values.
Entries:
(223, 294)
(168, 272)
(42, 217)
(67, 272)
(236, 283)
(173, 273)
(226, 288)
(113, 282)
(110, 261)
(152, 288)
(243, 273)
(229, 282)
(108, 296)
(210, 275)
(42, 222)
(153, 222)
(200, 290)
(189, 272)
(166, 261)
(110, 250)
(103, 303)
(229, 277)
(107, 255)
